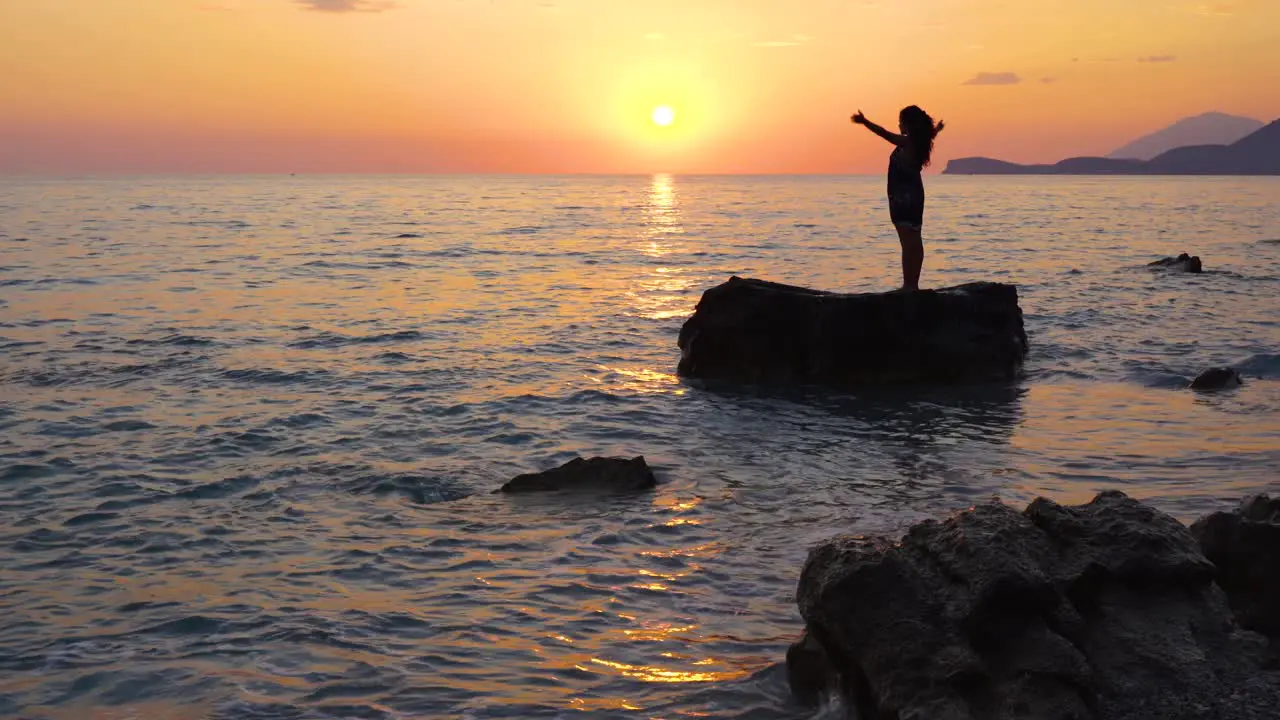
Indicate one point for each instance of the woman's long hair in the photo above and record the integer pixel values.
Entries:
(921, 131)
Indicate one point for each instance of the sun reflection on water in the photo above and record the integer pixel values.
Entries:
(649, 673)
(663, 209)
(643, 381)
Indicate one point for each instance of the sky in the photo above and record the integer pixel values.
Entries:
(533, 86)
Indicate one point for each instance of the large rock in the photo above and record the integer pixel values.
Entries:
(752, 331)
(1182, 263)
(1245, 546)
(1219, 378)
(597, 474)
(1106, 610)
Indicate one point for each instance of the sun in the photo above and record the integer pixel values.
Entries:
(663, 115)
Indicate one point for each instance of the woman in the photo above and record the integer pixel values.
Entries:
(914, 146)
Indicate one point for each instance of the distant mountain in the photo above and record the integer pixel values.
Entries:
(1256, 154)
(1208, 129)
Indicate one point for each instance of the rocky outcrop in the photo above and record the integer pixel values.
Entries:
(1220, 378)
(1245, 547)
(596, 474)
(1102, 611)
(1182, 263)
(758, 332)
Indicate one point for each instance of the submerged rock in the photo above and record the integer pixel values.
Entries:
(755, 331)
(1105, 611)
(1245, 546)
(598, 473)
(1182, 263)
(1219, 378)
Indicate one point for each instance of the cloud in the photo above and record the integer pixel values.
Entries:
(797, 39)
(1222, 8)
(345, 6)
(1158, 58)
(996, 78)
(1048, 80)
(655, 36)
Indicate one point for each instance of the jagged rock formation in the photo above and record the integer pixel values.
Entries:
(1104, 611)
(1245, 547)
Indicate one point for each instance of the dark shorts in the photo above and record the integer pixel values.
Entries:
(906, 207)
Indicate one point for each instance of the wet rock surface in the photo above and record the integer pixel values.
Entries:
(1220, 378)
(1183, 263)
(758, 332)
(1107, 610)
(1244, 544)
(597, 474)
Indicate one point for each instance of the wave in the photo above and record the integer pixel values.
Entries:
(128, 426)
(1261, 365)
(336, 340)
(24, 471)
(418, 489)
(276, 377)
(219, 489)
(176, 339)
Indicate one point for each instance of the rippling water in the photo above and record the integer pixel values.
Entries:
(249, 426)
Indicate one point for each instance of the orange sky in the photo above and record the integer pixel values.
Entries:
(763, 86)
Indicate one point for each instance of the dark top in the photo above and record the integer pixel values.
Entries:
(906, 189)
(904, 173)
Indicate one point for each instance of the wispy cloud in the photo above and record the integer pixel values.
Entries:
(1048, 80)
(1158, 58)
(797, 39)
(993, 78)
(1222, 8)
(346, 6)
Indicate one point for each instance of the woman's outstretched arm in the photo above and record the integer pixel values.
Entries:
(860, 119)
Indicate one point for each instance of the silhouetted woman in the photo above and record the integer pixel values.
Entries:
(906, 190)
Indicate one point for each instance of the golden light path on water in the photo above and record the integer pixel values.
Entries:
(251, 426)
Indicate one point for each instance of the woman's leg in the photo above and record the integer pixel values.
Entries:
(912, 255)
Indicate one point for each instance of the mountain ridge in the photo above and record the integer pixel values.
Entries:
(1211, 128)
(1258, 153)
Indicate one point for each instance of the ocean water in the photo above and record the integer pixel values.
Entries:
(249, 427)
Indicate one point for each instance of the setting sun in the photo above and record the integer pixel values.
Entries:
(663, 115)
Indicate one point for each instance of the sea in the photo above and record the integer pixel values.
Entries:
(250, 427)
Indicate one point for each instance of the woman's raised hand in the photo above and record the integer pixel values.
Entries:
(859, 119)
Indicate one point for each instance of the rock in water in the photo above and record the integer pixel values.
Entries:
(754, 331)
(1245, 547)
(1182, 263)
(598, 473)
(1217, 379)
(1105, 611)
